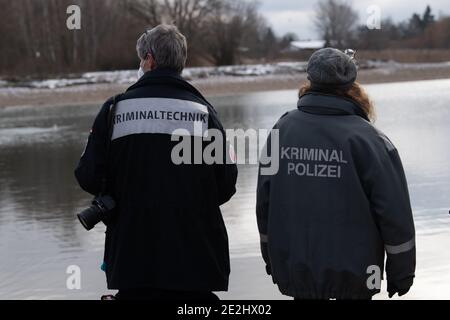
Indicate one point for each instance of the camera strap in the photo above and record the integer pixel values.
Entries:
(110, 126)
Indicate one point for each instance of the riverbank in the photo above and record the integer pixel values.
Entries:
(214, 85)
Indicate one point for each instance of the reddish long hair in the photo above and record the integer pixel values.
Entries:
(356, 93)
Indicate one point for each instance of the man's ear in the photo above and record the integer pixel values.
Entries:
(150, 62)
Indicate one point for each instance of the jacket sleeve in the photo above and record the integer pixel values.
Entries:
(262, 206)
(91, 167)
(262, 214)
(390, 203)
(225, 172)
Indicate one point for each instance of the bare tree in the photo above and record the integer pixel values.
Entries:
(36, 42)
(148, 10)
(336, 22)
(258, 39)
(215, 29)
(229, 29)
(191, 16)
(188, 15)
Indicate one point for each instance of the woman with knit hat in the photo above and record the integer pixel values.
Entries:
(339, 202)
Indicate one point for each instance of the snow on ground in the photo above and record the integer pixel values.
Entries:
(199, 73)
(376, 64)
(130, 76)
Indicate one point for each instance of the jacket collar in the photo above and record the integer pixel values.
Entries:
(169, 77)
(326, 104)
(162, 72)
(158, 73)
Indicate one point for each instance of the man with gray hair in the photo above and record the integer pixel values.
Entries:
(165, 237)
(155, 44)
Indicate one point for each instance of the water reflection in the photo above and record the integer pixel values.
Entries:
(40, 237)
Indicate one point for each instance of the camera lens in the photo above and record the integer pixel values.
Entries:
(97, 212)
(90, 217)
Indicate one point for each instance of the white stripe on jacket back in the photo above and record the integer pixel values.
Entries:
(159, 115)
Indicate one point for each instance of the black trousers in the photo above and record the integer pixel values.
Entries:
(165, 295)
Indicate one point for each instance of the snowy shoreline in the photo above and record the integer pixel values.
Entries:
(130, 76)
(127, 77)
(95, 87)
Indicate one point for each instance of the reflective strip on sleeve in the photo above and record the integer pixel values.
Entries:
(263, 238)
(404, 247)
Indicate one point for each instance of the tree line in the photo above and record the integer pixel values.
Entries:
(339, 24)
(36, 41)
(421, 31)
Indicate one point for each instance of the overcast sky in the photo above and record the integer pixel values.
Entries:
(297, 15)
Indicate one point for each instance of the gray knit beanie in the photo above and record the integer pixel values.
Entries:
(331, 68)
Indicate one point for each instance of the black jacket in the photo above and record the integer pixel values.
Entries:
(338, 202)
(167, 231)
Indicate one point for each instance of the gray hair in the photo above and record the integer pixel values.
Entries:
(166, 45)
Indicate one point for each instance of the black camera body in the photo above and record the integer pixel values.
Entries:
(99, 210)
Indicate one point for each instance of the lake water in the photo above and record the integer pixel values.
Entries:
(40, 235)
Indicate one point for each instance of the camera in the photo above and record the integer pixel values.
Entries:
(98, 211)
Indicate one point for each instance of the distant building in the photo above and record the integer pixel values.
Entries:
(306, 45)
